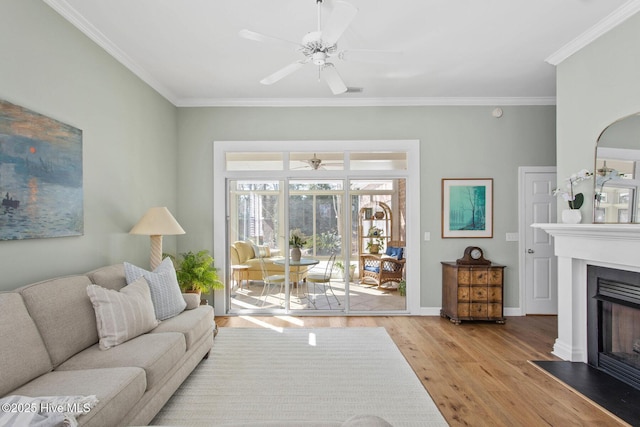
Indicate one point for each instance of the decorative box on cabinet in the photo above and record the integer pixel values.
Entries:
(472, 292)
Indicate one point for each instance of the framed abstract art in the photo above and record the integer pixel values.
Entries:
(467, 207)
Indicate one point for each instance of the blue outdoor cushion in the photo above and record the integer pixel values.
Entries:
(394, 252)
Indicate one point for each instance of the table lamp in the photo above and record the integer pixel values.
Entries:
(157, 222)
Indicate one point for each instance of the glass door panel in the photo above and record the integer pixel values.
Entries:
(254, 230)
(315, 212)
(378, 230)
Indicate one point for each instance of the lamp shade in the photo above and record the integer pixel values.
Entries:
(158, 221)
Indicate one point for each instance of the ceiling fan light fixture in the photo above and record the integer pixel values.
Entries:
(319, 58)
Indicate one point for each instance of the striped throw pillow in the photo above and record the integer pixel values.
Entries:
(123, 315)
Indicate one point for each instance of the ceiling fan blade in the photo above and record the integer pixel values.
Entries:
(283, 72)
(333, 79)
(258, 37)
(369, 55)
(342, 15)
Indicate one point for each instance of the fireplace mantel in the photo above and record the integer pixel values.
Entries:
(576, 246)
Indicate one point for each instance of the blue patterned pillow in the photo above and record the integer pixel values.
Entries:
(163, 284)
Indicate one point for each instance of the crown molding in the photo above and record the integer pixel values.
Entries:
(611, 21)
(63, 8)
(365, 102)
(77, 20)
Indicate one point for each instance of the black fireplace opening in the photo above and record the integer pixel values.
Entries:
(613, 322)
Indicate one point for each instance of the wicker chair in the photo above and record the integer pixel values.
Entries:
(382, 269)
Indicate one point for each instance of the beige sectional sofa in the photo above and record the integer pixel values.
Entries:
(50, 348)
(243, 252)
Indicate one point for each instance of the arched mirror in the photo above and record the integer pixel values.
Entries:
(617, 173)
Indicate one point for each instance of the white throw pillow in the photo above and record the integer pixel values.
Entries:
(123, 315)
(163, 283)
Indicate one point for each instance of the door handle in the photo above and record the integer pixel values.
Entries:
(530, 251)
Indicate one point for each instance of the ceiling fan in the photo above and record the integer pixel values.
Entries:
(316, 163)
(318, 47)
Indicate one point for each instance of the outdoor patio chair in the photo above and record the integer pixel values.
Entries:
(385, 268)
(323, 279)
(269, 281)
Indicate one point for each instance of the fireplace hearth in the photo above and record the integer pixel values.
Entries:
(613, 322)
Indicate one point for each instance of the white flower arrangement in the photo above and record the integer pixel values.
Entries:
(575, 200)
(297, 239)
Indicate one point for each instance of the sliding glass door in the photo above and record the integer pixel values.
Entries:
(316, 232)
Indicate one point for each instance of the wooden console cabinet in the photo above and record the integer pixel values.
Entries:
(472, 292)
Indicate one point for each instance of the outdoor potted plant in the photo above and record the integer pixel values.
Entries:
(376, 242)
(196, 273)
(352, 269)
(402, 288)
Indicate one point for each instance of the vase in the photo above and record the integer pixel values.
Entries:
(571, 216)
(295, 254)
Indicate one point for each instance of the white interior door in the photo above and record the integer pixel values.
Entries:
(540, 263)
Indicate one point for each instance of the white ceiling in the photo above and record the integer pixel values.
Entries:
(453, 51)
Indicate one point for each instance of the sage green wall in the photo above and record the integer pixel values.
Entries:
(595, 87)
(129, 141)
(455, 142)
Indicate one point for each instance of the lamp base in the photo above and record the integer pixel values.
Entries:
(156, 251)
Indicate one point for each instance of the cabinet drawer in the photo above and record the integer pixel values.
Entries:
(478, 310)
(479, 277)
(479, 294)
(464, 293)
(463, 309)
(494, 294)
(464, 276)
(495, 276)
(494, 310)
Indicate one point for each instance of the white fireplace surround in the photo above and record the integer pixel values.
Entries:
(576, 246)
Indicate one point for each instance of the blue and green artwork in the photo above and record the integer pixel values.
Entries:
(40, 176)
(467, 207)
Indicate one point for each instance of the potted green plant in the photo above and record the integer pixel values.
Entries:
(352, 269)
(196, 273)
(376, 241)
(402, 288)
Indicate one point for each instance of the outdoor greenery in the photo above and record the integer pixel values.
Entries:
(328, 242)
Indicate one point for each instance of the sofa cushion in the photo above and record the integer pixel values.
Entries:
(193, 324)
(165, 292)
(192, 300)
(122, 315)
(261, 251)
(117, 390)
(245, 250)
(110, 277)
(63, 313)
(23, 355)
(155, 353)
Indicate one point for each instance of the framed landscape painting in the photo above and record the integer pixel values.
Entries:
(467, 207)
(40, 176)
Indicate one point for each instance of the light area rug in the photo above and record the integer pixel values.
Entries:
(300, 375)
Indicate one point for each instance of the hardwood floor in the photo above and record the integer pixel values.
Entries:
(477, 373)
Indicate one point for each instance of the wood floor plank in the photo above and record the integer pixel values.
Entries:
(477, 373)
